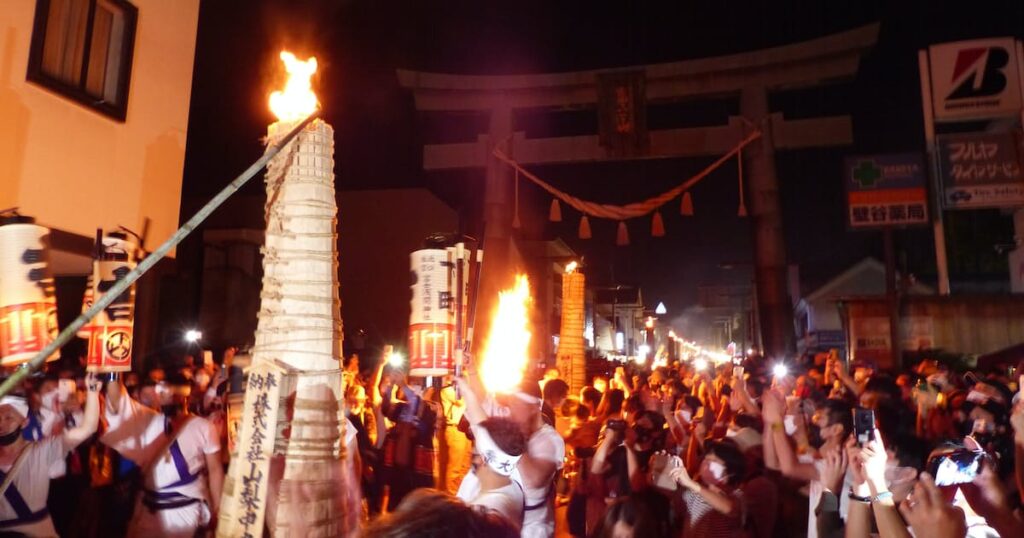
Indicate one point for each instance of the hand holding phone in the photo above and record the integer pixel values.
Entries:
(662, 464)
(863, 425)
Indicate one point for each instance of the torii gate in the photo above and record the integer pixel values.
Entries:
(750, 76)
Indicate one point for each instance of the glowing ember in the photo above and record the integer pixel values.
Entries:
(297, 101)
(507, 351)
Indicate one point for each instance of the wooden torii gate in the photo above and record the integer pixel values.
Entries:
(750, 76)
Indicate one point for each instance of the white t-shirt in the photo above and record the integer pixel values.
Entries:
(507, 501)
(545, 445)
(137, 432)
(33, 485)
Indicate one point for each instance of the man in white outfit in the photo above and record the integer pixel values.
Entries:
(499, 445)
(173, 449)
(535, 471)
(23, 499)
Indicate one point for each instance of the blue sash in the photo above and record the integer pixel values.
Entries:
(24, 514)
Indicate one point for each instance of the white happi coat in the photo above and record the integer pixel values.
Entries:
(175, 499)
(23, 505)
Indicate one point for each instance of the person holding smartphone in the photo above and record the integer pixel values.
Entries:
(713, 502)
(834, 421)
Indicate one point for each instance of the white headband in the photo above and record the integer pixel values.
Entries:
(17, 402)
(494, 457)
(528, 398)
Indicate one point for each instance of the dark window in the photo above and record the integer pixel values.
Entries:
(83, 49)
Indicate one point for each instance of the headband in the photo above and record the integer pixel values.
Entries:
(528, 398)
(494, 457)
(17, 402)
(163, 388)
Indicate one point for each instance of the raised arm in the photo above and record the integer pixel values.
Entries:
(474, 413)
(788, 463)
(75, 436)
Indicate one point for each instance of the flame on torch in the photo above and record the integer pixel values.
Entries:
(297, 101)
(507, 351)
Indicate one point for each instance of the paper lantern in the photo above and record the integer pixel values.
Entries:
(432, 317)
(109, 334)
(28, 307)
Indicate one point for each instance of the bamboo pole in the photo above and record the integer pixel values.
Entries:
(158, 254)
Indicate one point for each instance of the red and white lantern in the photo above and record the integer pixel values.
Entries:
(432, 319)
(28, 305)
(109, 334)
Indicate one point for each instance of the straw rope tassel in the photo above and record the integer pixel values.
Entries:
(555, 215)
(657, 225)
(584, 232)
(622, 237)
(686, 207)
(742, 211)
(516, 224)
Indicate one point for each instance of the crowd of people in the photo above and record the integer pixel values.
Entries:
(105, 455)
(749, 448)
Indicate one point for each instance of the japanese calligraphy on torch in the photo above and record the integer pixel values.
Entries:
(256, 447)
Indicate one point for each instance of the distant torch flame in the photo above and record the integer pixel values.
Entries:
(297, 101)
(507, 351)
(571, 268)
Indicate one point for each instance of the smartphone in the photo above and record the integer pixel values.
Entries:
(954, 468)
(662, 464)
(863, 425)
(617, 425)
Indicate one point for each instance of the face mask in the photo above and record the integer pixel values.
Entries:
(982, 426)
(814, 437)
(789, 421)
(50, 400)
(717, 470)
(731, 433)
(9, 438)
(170, 410)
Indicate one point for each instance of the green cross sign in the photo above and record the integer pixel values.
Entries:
(867, 174)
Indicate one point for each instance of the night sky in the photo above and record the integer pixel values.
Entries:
(379, 135)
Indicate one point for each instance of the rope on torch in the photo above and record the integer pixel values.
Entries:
(628, 211)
